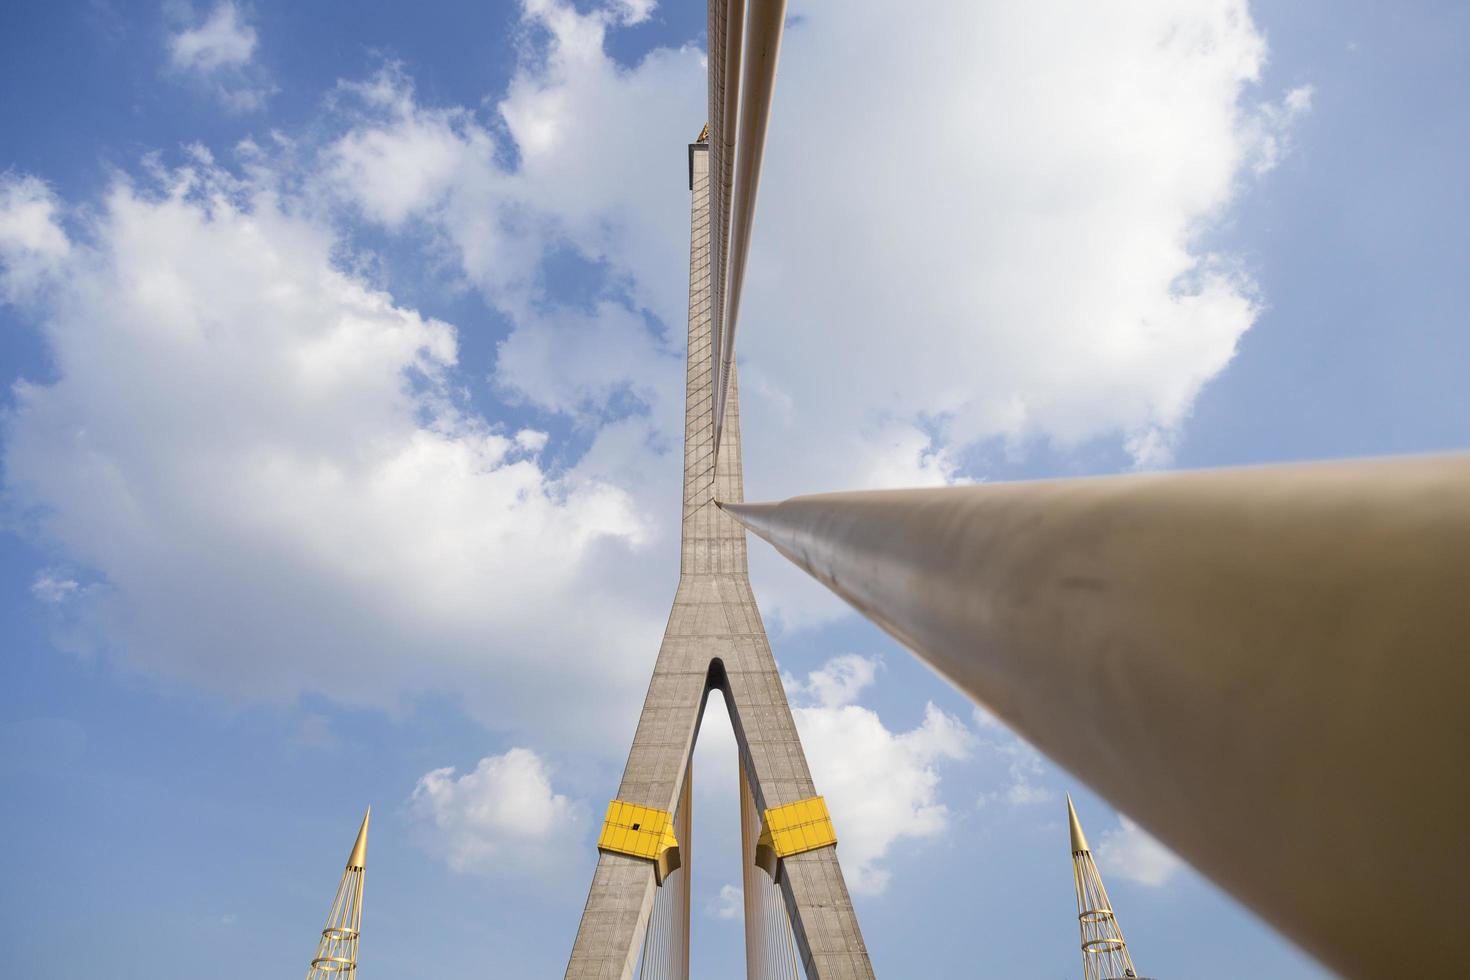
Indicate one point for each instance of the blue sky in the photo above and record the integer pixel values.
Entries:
(342, 348)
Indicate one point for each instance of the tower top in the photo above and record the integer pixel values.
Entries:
(357, 860)
(1079, 839)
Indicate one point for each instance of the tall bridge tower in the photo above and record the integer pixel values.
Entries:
(797, 906)
(1104, 953)
(336, 951)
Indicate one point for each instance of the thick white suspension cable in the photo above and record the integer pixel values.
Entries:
(748, 873)
(646, 969)
(783, 940)
(726, 34)
(762, 49)
(680, 900)
(1063, 605)
(665, 951)
(657, 957)
(770, 943)
(645, 972)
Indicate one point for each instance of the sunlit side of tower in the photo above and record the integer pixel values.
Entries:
(1104, 953)
(336, 953)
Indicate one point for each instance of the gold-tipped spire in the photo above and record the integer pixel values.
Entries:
(1079, 839)
(357, 860)
(336, 952)
(1105, 954)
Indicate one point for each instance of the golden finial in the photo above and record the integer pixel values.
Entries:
(1079, 840)
(358, 859)
(703, 134)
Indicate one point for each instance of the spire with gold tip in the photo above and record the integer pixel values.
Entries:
(1104, 953)
(336, 953)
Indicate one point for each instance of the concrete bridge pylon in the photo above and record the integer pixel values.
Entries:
(715, 641)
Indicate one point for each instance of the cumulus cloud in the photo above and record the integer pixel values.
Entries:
(219, 51)
(838, 682)
(624, 208)
(728, 905)
(635, 11)
(399, 159)
(1024, 263)
(32, 242)
(221, 40)
(851, 752)
(504, 817)
(1023, 766)
(1275, 124)
(1129, 852)
(405, 165)
(266, 460)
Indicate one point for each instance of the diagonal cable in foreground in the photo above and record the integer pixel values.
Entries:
(750, 51)
(1268, 668)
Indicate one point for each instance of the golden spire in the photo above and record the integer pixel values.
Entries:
(1079, 839)
(1105, 955)
(357, 861)
(336, 951)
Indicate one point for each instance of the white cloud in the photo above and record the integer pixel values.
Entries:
(1024, 767)
(32, 242)
(52, 589)
(1274, 125)
(1023, 793)
(504, 817)
(219, 50)
(265, 460)
(1012, 252)
(840, 680)
(221, 40)
(729, 904)
(626, 207)
(1129, 852)
(881, 786)
(401, 160)
(635, 11)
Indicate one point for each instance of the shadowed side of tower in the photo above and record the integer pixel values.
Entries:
(714, 640)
